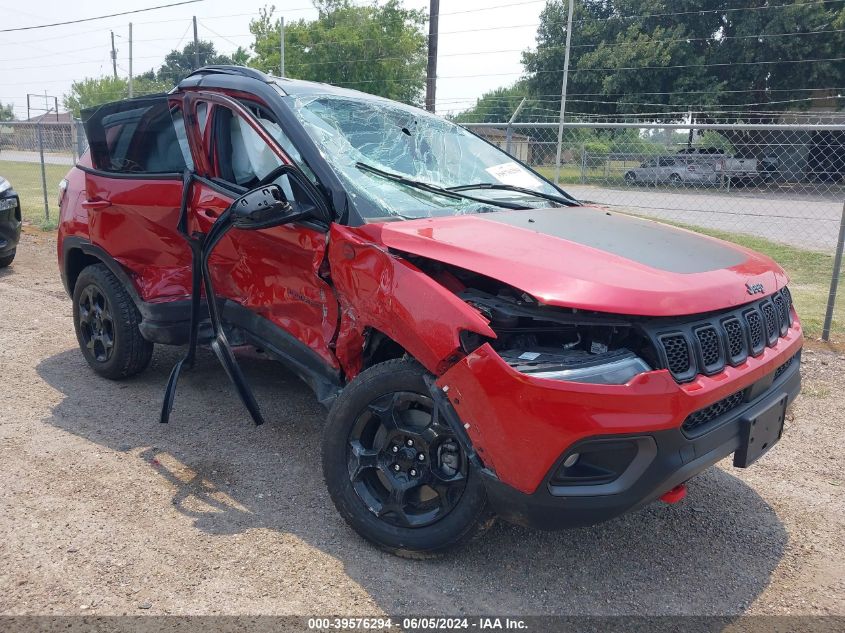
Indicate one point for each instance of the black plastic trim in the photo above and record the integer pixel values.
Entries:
(646, 453)
(130, 176)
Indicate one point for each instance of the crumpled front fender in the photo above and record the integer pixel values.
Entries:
(377, 289)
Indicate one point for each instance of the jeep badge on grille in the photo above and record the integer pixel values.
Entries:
(754, 289)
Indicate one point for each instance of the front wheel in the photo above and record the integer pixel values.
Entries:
(395, 470)
(7, 260)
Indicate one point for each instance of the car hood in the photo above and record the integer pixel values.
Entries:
(592, 259)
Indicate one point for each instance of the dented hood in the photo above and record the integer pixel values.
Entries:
(592, 259)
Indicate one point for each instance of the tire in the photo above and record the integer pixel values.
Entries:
(6, 260)
(675, 180)
(382, 409)
(106, 322)
(630, 178)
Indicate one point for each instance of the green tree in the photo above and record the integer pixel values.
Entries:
(178, 64)
(376, 49)
(7, 112)
(93, 91)
(497, 105)
(662, 57)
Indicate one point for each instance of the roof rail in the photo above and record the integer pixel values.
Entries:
(225, 69)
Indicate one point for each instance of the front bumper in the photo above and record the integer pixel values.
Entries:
(670, 458)
(10, 222)
(522, 428)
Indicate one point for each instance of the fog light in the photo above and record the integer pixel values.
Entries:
(569, 462)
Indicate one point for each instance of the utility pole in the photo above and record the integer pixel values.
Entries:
(113, 56)
(131, 94)
(281, 47)
(196, 46)
(563, 88)
(431, 70)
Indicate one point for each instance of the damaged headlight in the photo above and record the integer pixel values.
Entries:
(616, 367)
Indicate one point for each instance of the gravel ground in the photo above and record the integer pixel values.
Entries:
(105, 511)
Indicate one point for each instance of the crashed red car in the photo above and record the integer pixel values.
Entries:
(484, 343)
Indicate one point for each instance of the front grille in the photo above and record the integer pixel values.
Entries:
(755, 327)
(783, 368)
(772, 325)
(783, 313)
(698, 419)
(711, 349)
(737, 348)
(707, 344)
(703, 416)
(677, 353)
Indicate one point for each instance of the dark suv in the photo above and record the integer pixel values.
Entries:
(483, 342)
(10, 222)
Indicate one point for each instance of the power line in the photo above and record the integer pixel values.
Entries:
(466, 54)
(213, 32)
(703, 11)
(98, 17)
(701, 39)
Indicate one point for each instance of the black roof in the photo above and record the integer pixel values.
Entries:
(207, 74)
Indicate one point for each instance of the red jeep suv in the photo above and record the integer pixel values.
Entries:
(483, 342)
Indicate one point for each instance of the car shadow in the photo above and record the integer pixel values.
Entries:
(713, 553)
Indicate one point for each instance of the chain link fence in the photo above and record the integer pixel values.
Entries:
(34, 157)
(778, 188)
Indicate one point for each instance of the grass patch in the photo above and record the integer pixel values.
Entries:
(610, 173)
(26, 180)
(809, 273)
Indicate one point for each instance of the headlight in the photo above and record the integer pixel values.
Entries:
(609, 368)
(5, 185)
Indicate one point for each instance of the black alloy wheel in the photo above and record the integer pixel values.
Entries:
(394, 468)
(404, 463)
(96, 324)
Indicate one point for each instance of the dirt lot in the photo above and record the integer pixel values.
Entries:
(104, 511)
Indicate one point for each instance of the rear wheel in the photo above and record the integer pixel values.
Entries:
(675, 180)
(395, 470)
(630, 178)
(106, 322)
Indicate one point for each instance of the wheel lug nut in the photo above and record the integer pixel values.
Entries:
(410, 442)
(396, 467)
(421, 457)
(395, 449)
(413, 473)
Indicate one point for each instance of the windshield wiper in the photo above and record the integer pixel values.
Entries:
(442, 191)
(499, 187)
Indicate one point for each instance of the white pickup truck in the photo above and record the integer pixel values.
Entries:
(737, 169)
(729, 169)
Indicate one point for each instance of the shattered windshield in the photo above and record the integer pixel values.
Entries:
(359, 137)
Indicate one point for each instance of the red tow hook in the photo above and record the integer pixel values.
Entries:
(676, 494)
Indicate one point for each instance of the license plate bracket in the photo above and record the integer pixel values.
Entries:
(761, 429)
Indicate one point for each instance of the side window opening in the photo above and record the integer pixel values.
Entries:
(241, 157)
(145, 136)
